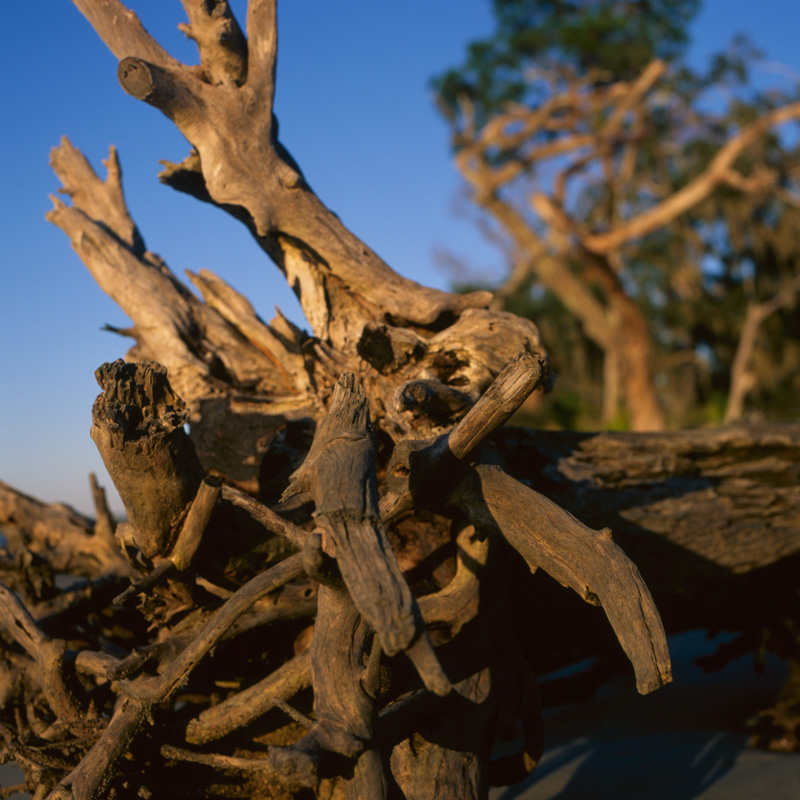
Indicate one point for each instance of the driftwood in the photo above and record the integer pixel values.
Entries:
(769, 458)
(366, 611)
(710, 517)
(324, 586)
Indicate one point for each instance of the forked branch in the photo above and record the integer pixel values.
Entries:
(341, 283)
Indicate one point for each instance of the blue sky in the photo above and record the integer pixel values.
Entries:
(355, 111)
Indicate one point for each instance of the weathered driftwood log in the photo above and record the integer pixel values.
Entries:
(60, 533)
(363, 599)
(695, 509)
(416, 662)
(585, 560)
(722, 453)
(710, 517)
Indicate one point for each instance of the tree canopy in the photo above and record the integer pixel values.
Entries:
(608, 38)
(653, 205)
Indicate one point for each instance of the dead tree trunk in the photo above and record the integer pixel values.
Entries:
(315, 589)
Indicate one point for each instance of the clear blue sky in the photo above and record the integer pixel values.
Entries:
(355, 111)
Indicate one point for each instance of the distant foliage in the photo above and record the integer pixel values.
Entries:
(649, 213)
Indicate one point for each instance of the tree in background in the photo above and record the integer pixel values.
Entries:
(642, 209)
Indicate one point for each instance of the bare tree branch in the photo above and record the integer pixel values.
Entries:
(122, 31)
(742, 378)
(262, 33)
(695, 191)
(219, 39)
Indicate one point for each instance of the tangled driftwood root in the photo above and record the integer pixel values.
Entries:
(368, 707)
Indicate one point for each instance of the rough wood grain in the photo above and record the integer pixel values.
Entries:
(59, 532)
(392, 715)
(137, 425)
(340, 473)
(693, 508)
(586, 560)
(418, 467)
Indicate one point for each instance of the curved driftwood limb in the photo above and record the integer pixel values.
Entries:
(48, 653)
(340, 472)
(458, 602)
(710, 518)
(585, 560)
(251, 703)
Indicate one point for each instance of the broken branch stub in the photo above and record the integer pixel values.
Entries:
(137, 425)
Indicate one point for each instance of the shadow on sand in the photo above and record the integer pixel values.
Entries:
(686, 741)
